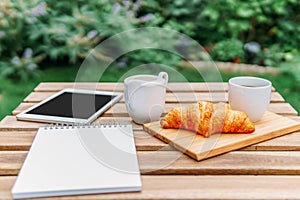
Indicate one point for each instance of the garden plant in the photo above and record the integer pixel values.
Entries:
(36, 35)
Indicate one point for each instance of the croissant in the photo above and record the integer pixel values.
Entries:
(206, 118)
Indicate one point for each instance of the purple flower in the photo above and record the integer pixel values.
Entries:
(116, 8)
(92, 34)
(31, 67)
(126, 3)
(15, 60)
(39, 10)
(27, 53)
(121, 64)
(2, 34)
(147, 17)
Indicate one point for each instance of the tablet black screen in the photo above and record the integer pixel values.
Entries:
(73, 105)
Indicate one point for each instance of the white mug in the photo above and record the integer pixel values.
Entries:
(250, 94)
(145, 96)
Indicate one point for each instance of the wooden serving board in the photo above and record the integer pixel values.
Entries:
(196, 146)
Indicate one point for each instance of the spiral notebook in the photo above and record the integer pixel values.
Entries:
(73, 160)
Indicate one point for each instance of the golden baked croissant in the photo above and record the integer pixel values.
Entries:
(206, 118)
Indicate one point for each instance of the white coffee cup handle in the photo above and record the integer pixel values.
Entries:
(164, 76)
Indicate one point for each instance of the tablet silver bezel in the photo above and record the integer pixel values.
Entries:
(54, 119)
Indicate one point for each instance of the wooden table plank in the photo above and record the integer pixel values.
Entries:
(16, 140)
(57, 86)
(290, 142)
(21, 140)
(119, 109)
(21, 107)
(194, 187)
(282, 109)
(233, 163)
(213, 97)
(111, 86)
(11, 123)
(17, 135)
(279, 156)
(174, 162)
(296, 118)
(35, 97)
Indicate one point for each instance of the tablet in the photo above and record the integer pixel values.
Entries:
(71, 106)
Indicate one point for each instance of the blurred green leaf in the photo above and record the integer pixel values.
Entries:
(60, 30)
(245, 12)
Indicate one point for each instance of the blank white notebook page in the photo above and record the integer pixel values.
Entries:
(79, 160)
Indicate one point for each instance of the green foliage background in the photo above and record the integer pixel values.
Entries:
(65, 31)
(36, 35)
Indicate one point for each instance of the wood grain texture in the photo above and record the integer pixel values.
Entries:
(282, 109)
(21, 107)
(106, 86)
(22, 140)
(182, 97)
(11, 123)
(207, 96)
(119, 109)
(16, 140)
(196, 146)
(11, 162)
(228, 176)
(110, 86)
(194, 187)
(296, 118)
(287, 142)
(175, 163)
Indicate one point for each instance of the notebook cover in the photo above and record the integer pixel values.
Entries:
(79, 160)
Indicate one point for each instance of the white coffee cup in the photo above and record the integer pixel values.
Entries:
(250, 94)
(145, 96)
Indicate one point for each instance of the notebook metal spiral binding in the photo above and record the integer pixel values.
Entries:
(83, 125)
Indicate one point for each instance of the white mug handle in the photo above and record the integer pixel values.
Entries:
(164, 76)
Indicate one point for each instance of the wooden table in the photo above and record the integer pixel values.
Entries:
(268, 170)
